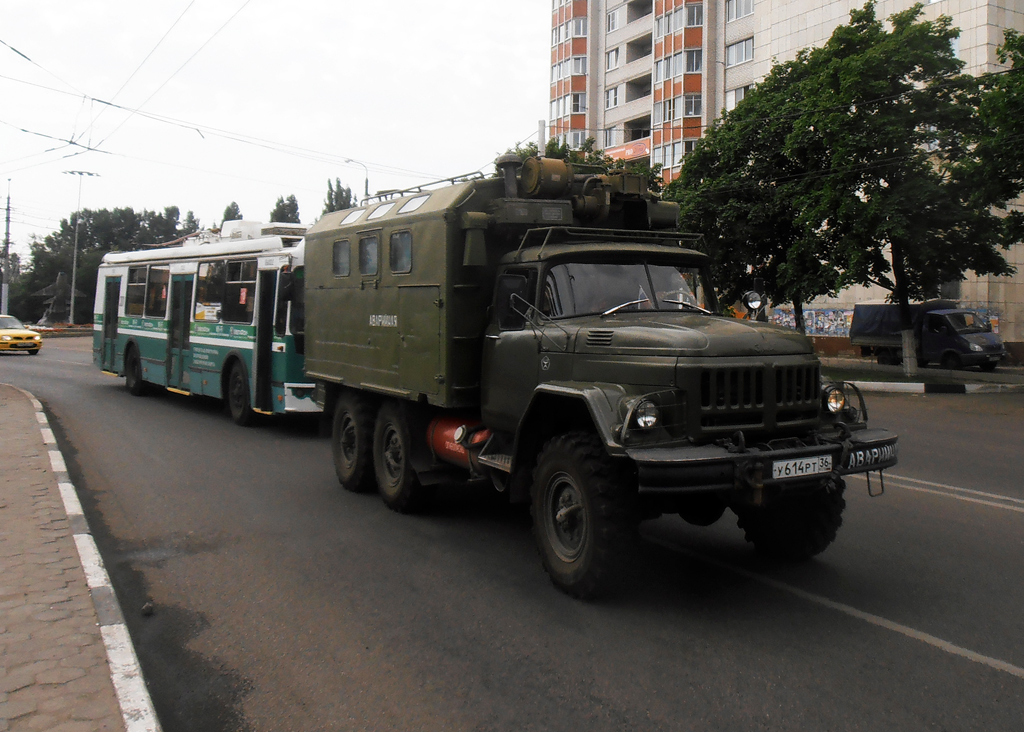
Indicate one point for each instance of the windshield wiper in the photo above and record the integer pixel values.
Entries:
(617, 308)
(687, 304)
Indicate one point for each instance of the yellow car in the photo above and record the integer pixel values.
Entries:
(16, 337)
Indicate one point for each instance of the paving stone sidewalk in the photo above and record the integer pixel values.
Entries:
(54, 668)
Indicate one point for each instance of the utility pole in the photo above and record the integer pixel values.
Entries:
(78, 221)
(4, 290)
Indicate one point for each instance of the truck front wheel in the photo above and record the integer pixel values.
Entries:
(396, 480)
(584, 514)
(352, 442)
(796, 528)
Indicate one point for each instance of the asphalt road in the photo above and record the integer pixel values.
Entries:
(284, 603)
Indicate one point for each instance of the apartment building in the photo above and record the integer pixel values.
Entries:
(646, 77)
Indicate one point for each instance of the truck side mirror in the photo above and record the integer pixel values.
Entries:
(510, 301)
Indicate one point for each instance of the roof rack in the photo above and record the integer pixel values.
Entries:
(566, 234)
(396, 193)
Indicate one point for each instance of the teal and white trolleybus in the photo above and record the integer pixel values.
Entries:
(220, 315)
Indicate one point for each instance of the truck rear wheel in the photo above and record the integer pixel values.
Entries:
(584, 514)
(798, 527)
(392, 446)
(352, 442)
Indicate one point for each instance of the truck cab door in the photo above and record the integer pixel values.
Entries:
(511, 353)
(936, 337)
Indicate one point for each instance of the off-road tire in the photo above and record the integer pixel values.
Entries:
(238, 396)
(352, 442)
(133, 372)
(796, 528)
(584, 515)
(397, 483)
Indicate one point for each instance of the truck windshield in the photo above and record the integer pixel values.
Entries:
(967, 322)
(577, 288)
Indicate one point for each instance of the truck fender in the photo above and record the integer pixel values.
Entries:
(557, 408)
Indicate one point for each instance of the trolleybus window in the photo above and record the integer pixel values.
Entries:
(156, 291)
(239, 291)
(401, 252)
(136, 297)
(209, 291)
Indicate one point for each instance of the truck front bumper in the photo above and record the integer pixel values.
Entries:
(686, 470)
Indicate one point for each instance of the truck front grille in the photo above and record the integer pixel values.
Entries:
(758, 397)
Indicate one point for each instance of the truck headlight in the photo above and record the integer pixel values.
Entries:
(976, 347)
(647, 415)
(835, 400)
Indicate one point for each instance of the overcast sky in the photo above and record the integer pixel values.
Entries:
(248, 100)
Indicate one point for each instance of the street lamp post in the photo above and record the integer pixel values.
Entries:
(78, 220)
(5, 287)
(366, 177)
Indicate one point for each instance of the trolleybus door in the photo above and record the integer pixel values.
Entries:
(262, 357)
(111, 300)
(179, 354)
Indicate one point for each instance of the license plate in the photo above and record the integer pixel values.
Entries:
(801, 467)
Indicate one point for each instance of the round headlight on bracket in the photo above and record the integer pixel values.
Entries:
(753, 300)
(646, 415)
(835, 399)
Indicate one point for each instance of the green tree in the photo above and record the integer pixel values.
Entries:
(876, 147)
(339, 197)
(191, 224)
(232, 212)
(286, 210)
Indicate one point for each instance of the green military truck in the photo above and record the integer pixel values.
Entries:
(548, 332)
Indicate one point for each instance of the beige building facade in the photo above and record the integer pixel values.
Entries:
(646, 77)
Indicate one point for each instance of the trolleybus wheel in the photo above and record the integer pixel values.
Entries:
(238, 396)
(133, 373)
(352, 442)
(396, 480)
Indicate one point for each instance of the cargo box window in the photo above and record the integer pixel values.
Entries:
(135, 298)
(369, 255)
(412, 204)
(239, 291)
(352, 217)
(209, 291)
(342, 263)
(380, 211)
(156, 292)
(401, 252)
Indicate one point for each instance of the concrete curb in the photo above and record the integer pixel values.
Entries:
(125, 672)
(900, 387)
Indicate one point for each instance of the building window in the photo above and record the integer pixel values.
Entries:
(579, 103)
(611, 97)
(738, 9)
(735, 96)
(695, 60)
(341, 263)
(666, 111)
(692, 106)
(579, 65)
(609, 137)
(694, 15)
(613, 20)
(577, 138)
(579, 27)
(663, 26)
(612, 59)
(688, 146)
(740, 52)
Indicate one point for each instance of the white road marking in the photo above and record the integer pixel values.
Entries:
(48, 438)
(57, 462)
(72, 507)
(136, 706)
(95, 573)
(853, 612)
(952, 491)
